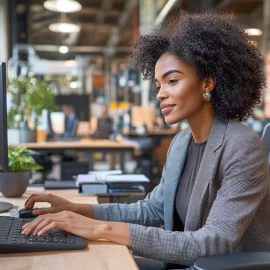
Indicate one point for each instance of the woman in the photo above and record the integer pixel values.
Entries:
(214, 192)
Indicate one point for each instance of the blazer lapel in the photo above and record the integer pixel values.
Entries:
(206, 173)
(174, 167)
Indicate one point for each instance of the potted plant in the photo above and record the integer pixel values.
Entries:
(20, 162)
(29, 97)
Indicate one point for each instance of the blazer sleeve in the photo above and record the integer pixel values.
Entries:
(149, 211)
(245, 184)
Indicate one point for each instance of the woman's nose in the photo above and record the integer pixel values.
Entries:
(161, 95)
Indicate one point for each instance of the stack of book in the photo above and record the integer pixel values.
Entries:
(109, 182)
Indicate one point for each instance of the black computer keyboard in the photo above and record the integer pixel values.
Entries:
(12, 241)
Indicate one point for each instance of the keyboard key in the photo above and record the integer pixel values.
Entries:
(33, 240)
(49, 240)
(55, 239)
(71, 241)
(63, 240)
(24, 242)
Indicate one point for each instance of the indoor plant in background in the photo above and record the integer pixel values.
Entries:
(20, 162)
(29, 98)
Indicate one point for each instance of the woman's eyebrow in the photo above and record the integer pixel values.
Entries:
(168, 73)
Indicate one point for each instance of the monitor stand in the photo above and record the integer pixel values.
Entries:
(5, 207)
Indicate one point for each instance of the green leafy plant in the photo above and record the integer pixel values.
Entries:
(20, 160)
(29, 97)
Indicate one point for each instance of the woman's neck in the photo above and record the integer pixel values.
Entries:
(201, 123)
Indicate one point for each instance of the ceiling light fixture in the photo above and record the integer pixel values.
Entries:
(66, 6)
(253, 31)
(63, 49)
(64, 27)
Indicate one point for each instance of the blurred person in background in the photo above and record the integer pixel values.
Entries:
(71, 118)
(104, 124)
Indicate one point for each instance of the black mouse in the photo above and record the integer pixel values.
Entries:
(27, 213)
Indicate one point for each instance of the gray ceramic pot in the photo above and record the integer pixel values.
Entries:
(28, 136)
(14, 184)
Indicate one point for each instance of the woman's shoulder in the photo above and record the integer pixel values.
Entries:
(239, 130)
(239, 135)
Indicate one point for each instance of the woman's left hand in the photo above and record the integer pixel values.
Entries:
(87, 228)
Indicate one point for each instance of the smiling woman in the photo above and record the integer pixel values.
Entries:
(214, 190)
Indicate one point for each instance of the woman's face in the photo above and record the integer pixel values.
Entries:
(180, 90)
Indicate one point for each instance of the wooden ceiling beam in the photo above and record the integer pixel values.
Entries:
(100, 17)
(114, 37)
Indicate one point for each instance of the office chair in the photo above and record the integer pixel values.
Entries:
(234, 261)
(104, 128)
(144, 157)
(43, 159)
(266, 139)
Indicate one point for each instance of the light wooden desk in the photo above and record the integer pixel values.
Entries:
(88, 146)
(154, 133)
(98, 255)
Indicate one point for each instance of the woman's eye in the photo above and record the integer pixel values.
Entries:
(172, 81)
(157, 87)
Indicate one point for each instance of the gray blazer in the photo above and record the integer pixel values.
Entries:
(229, 209)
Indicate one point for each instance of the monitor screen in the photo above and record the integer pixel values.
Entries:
(3, 120)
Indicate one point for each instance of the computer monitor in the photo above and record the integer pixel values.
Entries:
(3, 119)
(3, 130)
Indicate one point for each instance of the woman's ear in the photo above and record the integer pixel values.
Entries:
(209, 84)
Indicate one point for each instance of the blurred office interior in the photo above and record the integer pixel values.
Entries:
(79, 52)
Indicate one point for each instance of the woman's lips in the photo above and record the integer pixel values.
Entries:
(167, 109)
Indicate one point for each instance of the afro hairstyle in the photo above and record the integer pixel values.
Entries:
(216, 46)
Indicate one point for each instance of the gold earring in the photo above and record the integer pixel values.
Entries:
(207, 96)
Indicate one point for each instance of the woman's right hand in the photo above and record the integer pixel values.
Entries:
(58, 204)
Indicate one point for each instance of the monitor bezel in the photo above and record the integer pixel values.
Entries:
(3, 120)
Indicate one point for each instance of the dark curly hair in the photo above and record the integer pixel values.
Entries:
(216, 46)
